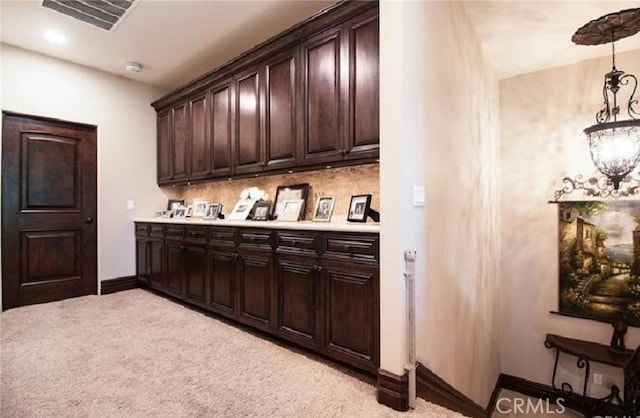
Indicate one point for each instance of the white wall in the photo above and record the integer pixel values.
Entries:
(440, 129)
(542, 118)
(38, 85)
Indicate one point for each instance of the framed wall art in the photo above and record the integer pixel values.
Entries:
(199, 208)
(242, 209)
(599, 260)
(291, 210)
(213, 210)
(175, 203)
(261, 210)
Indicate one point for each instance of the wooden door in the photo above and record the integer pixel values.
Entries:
(248, 154)
(195, 273)
(323, 92)
(255, 285)
(155, 274)
(175, 267)
(180, 143)
(143, 259)
(49, 230)
(363, 121)
(222, 290)
(351, 330)
(165, 148)
(298, 299)
(221, 129)
(199, 136)
(280, 111)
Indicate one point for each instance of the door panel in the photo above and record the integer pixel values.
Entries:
(49, 205)
(165, 145)
(180, 142)
(254, 274)
(248, 154)
(199, 153)
(195, 273)
(221, 272)
(221, 130)
(175, 268)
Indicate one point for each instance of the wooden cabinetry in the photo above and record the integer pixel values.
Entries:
(317, 289)
(303, 100)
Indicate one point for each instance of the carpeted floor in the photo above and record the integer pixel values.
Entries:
(135, 354)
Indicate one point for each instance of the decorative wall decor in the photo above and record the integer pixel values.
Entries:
(599, 260)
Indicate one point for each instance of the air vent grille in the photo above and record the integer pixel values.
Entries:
(104, 14)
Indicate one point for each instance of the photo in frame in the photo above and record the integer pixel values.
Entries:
(292, 192)
(213, 210)
(291, 210)
(242, 209)
(261, 210)
(324, 209)
(359, 208)
(175, 203)
(199, 208)
(180, 212)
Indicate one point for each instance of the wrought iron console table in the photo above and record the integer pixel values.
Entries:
(586, 352)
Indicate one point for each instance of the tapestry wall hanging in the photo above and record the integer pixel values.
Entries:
(599, 260)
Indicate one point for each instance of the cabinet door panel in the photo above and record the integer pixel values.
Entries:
(248, 156)
(351, 310)
(255, 283)
(364, 92)
(195, 270)
(199, 152)
(297, 296)
(221, 129)
(322, 138)
(280, 141)
(142, 260)
(156, 276)
(175, 268)
(180, 133)
(221, 279)
(165, 147)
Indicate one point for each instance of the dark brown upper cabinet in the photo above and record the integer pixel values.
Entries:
(306, 98)
(248, 126)
(280, 142)
(323, 95)
(221, 129)
(200, 138)
(363, 121)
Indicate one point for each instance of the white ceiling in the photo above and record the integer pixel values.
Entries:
(179, 40)
(524, 36)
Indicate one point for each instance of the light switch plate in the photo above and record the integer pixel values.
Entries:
(418, 196)
(131, 205)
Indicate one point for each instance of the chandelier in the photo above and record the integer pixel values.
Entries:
(614, 144)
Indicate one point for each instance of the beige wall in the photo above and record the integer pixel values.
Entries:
(542, 118)
(450, 144)
(39, 85)
(341, 183)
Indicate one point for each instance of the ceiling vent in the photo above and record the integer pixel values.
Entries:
(105, 14)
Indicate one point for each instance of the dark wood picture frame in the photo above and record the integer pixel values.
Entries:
(359, 208)
(175, 203)
(291, 192)
(261, 211)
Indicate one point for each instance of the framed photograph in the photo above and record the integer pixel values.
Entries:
(180, 212)
(359, 208)
(199, 208)
(324, 209)
(174, 204)
(261, 211)
(291, 210)
(213, 210)
(293, 192)
(242, 209)
(189, 211)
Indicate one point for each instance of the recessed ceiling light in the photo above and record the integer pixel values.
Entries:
(55, 37)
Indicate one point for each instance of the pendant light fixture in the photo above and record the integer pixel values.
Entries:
(614, 142)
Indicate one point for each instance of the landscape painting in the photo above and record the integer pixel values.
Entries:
(599, 260)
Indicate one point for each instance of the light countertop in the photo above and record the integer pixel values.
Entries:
(301, 225)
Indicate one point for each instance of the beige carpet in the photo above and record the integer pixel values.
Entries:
(135, 354)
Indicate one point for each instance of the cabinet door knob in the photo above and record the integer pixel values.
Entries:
(89, 220)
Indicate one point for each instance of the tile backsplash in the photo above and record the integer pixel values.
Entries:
(341, 183)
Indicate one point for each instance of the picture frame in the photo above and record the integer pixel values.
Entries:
(213, 210)
(291, 192)
(291, 210)
(199, 208)
(324, 209)
(359, 208)
(189, 211)
(261, 210)
(180, 212)
(242, 209)
(175, 203)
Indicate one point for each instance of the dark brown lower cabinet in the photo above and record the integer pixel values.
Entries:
(317, 289)
(299, 287)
